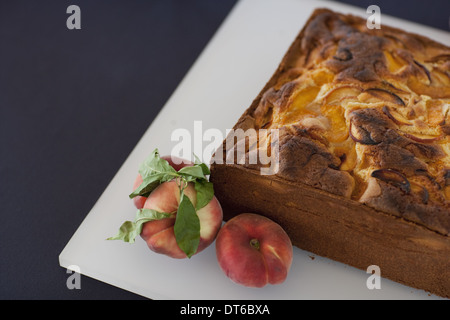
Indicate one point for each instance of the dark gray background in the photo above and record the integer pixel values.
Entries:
(73, 104)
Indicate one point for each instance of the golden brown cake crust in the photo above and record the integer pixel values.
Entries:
(363, 122)
(364, 114)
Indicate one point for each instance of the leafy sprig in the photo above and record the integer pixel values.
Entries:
(155, 171)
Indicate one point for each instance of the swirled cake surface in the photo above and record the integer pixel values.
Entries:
(364, 114)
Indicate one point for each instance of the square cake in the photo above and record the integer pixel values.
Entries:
(358, 122)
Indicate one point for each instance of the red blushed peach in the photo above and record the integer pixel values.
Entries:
(254, 251)
(138, 200)
(175, 162)
(159, 234)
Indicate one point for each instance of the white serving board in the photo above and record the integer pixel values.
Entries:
(221, 84)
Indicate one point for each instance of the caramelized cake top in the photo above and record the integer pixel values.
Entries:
(364, 114)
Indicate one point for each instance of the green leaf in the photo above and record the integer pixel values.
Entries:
(155, 165)
(129, 230)
(205, 169)
(205, 192)
(202, 165)
(154, 171)
(187, 227)
(194, 171)
(148, 185)
(197, 159)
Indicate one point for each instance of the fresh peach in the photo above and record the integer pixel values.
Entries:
(138, 200)
(254, 251)
(175, 162)
(159, 234)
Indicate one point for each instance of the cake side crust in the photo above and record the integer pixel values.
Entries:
(347, 232)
